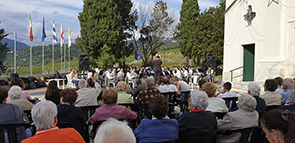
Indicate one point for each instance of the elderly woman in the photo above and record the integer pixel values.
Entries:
(271, 98)
(197, 120)
(67, 112)
(244, 117)
(44, 116)
(15, 93)
(123, 97)
(290, 105)
(254, 90)
(52, 92)
(160, 128)
(111, 109)
(21, 84)
(278, 126)
(216, 105)
(288, 86)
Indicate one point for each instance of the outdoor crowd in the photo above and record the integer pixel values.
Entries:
(160, 111)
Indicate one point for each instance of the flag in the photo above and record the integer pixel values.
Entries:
(43, 32)
(69, 37)
(31, 30)
(61, 35)
(54, 33)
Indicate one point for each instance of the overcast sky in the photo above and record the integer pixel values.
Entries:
(15, 16)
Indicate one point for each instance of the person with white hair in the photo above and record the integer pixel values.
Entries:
(87, 96)
(44, 115)
(254, 90)
(244, 117)
(123, 97)
(15, 93)
(290, 105)
(197, 120)
(114, 131)
(288, 86)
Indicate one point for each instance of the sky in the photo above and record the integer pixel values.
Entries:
(14, 16)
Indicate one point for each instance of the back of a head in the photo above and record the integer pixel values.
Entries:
(201, 83)
(271, 84)
(200, 99)
(3, 94)
(174, 78)
(82, 83)
(43, 115)
(159, 106)
(109, 96)
(283, 121)
(227, 86)
(209, 88)
(69, 95)
(149, 82)
(279, 80)
(166, 80)
(247, 102)
(15, 92)
(254, 88)
(292, 96)
(90, 83)
(288, 83)
(121, 86)
(17, 81)
(114, 131)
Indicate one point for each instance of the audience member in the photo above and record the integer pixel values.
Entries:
(271, 98)
(74, 77)
(87, 96)
(15, 93)
(288, 86)
(67, 112)
(290, 105)
(21, 84)
(279, 89)
(177, 73)
(140, 87)
(167, 87)
(114, 131)
(160, 128)
(44, 115)
(123, 97)
(197, 120)
(254, 90)
(111, 109)
(52, 92)
(157, 74)
(225, 93)
(121, 73)
(11, 113)
(279, 126)
(245, 117)
(216, 105)
(200, 83)
(180, 85)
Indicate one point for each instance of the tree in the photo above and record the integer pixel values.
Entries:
(188, 23)
(3, 51)
(107, 59)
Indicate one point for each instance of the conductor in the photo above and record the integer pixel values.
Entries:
(157, 64)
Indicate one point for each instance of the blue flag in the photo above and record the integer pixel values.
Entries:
(54, 33)
(43, 32)
(138, 55)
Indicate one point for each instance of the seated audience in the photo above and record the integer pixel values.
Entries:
(245, 117)
(269, 96)
(200, 83)
(67, 112)
(225, 93)
(177, 73)
(11, 113)
(44, 115)
(288, 86)
(216, 105)
(21, 84)
(180, 85)
(279, 89)
(167, 87)
(87, 96)
(290, 105)
(114, 131)
(123, 97)
(197, 120)
(254, 90)
(140, 87)
(52, 92)
(15, 93)
(160, 128)
(111, 109)
(279, 126)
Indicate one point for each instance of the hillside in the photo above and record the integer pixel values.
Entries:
(10, 44)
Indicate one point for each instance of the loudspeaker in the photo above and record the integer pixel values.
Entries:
(211, 60)
(84, 62)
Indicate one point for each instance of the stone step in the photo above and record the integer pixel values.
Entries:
(242, 87)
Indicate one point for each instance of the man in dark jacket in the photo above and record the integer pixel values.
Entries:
(157, 64)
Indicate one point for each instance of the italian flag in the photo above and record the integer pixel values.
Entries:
(31, 30)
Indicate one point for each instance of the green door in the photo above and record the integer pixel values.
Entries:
(249, 57)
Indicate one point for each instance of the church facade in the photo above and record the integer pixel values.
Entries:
(259, 40)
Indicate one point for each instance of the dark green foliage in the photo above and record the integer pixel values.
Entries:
(3, 50)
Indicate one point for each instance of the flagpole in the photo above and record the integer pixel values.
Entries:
(53, 57)
(61, 59)
(43, 58)
(31, 72)
(65, 58)
(70, 58)
(15, 52)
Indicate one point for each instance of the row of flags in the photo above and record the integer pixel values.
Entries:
(54, 33)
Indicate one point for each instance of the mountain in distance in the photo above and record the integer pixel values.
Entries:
(10, 44)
